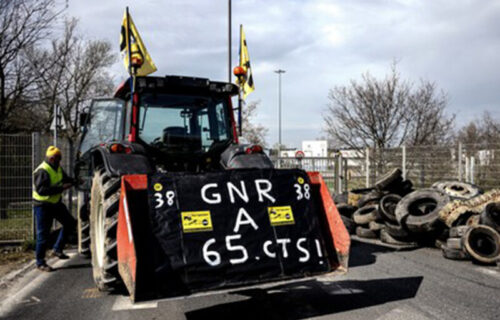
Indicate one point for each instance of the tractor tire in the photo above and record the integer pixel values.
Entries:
(483, 244)
(387, 207)
(491, 216)
(454, 254)
(391, 177)
(366, 233)
(104, 203)
(419, 210)
(83, 228)
(366, 214)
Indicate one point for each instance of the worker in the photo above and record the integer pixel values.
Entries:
(49, 183)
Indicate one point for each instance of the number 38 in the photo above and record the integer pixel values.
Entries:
(305, 193)
(170, 195)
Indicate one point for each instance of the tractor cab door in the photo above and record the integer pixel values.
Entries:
(103, 123)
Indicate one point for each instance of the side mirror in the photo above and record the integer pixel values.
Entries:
(84, 119)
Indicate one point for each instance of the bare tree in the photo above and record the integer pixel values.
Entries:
(254, 133)
(481, 132)
(78, 73)
(387, 113)
(23, 24)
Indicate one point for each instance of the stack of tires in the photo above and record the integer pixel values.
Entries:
(400, 216)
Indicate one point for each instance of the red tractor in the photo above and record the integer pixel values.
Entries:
(171, 204)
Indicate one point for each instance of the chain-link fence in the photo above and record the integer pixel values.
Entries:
(423, 165)
(19, 156)
(348, 169)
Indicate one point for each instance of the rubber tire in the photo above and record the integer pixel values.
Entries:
(401, 189)
(458, 231)
(476, 236)
(83, 228)
(375, 226)
(346, 210)
(491, 216)
(105, 194)
(395, 175)
(406, 212)
(454, 243)
(385, 237)
(349, 224)
(366, 233)
(387, 207)
(454, 254)
(365, 214)
(397, 231)
(370, 198)
(447, 187)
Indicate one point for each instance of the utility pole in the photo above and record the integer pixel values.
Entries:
(279, 72)
(229, 41)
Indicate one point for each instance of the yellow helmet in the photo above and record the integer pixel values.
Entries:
(52, 151)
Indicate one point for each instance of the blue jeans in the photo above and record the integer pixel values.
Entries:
(45, 215)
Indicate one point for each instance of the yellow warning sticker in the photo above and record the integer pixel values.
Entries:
(196, 221)
(280, 216)
(158, 187)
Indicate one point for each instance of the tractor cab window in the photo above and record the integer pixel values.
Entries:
(105, 123)
(183, 123)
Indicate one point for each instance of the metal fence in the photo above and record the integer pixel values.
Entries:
(423, 165)
(347, 169)
(19, 156)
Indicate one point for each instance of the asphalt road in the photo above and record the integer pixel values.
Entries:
(381, 284)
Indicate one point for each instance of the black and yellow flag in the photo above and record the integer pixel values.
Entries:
(130, 37)
(246, 84)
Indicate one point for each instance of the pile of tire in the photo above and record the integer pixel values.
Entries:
(474, 232)
(451, 215)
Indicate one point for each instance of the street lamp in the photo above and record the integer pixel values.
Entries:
(279, 72)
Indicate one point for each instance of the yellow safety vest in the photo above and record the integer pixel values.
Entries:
(55, 180)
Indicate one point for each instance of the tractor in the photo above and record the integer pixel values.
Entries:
(171, 204)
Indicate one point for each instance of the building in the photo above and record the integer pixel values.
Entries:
(315, 148)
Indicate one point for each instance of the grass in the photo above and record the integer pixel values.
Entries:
(17, 226)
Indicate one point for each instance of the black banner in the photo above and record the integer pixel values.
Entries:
(236, 227)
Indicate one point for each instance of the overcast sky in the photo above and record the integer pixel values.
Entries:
(320, 44)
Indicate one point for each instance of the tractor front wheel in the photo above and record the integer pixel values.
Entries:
(104, 202)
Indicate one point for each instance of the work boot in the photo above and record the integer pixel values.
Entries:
(45, 268)
(60, 255)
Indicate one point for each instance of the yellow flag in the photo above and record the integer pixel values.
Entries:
(246, 84)
(138, 50)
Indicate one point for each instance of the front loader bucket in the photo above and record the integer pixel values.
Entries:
(182, 233)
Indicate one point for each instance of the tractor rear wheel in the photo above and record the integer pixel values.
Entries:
(83, 225)
(104, 203)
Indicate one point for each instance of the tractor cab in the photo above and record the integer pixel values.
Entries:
(181, 123)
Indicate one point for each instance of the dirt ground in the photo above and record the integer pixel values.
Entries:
(14, 259)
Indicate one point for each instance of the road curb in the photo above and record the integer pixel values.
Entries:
(13, 275)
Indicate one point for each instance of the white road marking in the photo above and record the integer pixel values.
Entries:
(124, 303)
(405, 313)
(31, 281)
(489, 272)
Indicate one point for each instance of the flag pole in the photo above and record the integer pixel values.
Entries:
(240, 99)
(130, 68)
